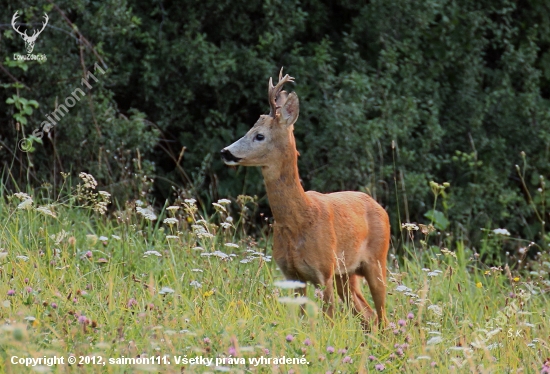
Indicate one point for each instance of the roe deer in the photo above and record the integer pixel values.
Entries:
(317, 237)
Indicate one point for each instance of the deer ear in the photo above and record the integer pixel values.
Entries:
(291, 109)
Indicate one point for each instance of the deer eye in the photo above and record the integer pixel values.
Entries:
(259, 137)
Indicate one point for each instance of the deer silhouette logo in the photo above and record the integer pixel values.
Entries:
(29, 40)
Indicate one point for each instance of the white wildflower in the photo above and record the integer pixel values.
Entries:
(173, 207)
(217, 254)
(170, 221)
(220, 254)
(434, 340)
(289, 284)
(493, 332)
(46, 211)
(89, 180)
(25, 205)
(197, 270)
(246, 261)
(165, 290)
(190, 201)
(198, 248)
(115, 237)
(409, 226)
(22, 196)
(233, 245)
(457, 348)
(103, 238)
(434, 273)
(149, 253)
(219, 206)
(225, 225)
(24, 258)
(402, 288)
(195, 284)
(205, 235)
(436, 309)
(224, 201)
(447, 252)
(293, 300)
(147, 213)
(172, 237)
(198, 229)
(139, 203)
(100, 207)
(229, 219)
(478, 343)
(501, 232)
(104, 194)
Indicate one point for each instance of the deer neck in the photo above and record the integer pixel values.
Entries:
(287, 198)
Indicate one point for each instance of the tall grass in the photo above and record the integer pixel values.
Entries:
(177, 283)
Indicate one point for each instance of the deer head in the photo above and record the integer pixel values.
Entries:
(268, 141)
(29, 40)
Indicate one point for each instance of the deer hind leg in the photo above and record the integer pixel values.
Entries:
(375, 274)
(323, 280)
(349, 289)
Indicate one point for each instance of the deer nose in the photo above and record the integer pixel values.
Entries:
(227, 156)
(225, 153)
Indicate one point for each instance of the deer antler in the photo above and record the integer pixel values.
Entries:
(43, 25)
(17, 29)
(274, 91)
(24, 34)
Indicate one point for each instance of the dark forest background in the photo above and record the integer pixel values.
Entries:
(394, 94)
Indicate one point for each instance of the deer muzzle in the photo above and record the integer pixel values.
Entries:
(229, 158)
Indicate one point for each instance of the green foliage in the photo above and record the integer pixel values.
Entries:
(23, 106)
(438, 218)
(393, 94)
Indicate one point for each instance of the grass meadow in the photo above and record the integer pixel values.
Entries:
(195, 293)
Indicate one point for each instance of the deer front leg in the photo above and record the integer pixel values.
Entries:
(301, 292)
(328, 299)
